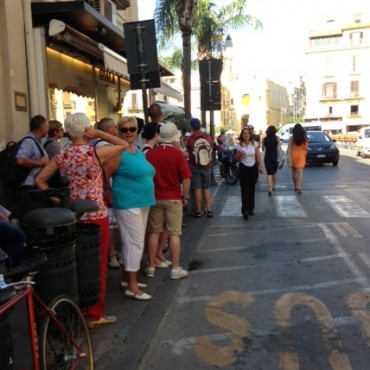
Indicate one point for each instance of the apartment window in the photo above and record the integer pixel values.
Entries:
(354, 88)
(355, 38)
(329, 67)
(134, 101)
(354, 67)
(354, 110)
(329, 90)
(330, 111)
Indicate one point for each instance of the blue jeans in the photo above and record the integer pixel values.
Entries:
(12, 242)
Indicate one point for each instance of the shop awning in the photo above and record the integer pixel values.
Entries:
(82, 17)
(114, 62)
(168, 90)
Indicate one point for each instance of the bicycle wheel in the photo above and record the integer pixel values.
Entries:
(56, 350)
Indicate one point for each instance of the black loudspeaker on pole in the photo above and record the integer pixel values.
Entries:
(142, 59)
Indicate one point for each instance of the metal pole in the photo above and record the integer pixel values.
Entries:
(211, 120)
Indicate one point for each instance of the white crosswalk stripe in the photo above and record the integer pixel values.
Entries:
(344, 206)
(231, 207)
(290, 206)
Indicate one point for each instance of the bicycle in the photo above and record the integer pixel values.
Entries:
(63, 340)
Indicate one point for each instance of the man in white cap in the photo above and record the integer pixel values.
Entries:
(172, 184)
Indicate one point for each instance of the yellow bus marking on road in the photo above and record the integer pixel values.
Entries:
(283, 307)
(358, 302)
(226, 355)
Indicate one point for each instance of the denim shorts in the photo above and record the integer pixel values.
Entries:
(200, 178)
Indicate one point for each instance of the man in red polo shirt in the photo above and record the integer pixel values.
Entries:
(171, 187)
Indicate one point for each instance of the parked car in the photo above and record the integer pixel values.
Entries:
(363, 142)
(286, 131)
(321, 148)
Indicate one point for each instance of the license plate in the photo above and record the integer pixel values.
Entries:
(321, 156)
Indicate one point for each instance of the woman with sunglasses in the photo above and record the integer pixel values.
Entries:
(79, 162)
(133, 195)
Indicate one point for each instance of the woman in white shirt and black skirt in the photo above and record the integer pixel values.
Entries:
(249, 156)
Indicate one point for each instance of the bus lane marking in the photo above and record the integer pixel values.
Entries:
(356, 271)
(289, 360)
(219, 356)
(358, 303)
(297, 288)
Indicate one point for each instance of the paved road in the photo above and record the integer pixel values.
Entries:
(288, 289)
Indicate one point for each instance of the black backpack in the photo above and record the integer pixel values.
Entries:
(10, 173)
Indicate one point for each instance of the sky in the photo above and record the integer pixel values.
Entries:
(279, 48)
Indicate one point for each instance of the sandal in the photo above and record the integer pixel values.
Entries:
(198, 214)
(209, 214)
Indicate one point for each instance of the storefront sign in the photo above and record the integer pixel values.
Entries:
(107, 76)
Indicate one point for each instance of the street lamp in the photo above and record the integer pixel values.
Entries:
(282, 110)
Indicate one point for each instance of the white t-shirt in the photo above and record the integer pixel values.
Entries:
(249, 158)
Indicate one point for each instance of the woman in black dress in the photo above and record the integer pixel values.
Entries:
(271, 144)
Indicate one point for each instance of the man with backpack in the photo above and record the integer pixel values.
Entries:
(200, 161)
(32, 156)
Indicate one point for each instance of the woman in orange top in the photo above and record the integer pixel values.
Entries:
(297, 150)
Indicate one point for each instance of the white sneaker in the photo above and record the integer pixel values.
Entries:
(149, 271)
(164, 264)
(179, 273)
(113, 262)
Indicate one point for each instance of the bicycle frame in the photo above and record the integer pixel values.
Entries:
(32, 298)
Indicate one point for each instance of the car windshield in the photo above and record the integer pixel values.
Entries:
(317, 137)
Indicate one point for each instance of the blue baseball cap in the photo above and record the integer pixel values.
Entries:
(195, 123)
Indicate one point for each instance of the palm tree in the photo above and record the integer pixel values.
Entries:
(172, 16)
(203, 20)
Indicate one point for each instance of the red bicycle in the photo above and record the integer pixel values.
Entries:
(59, 335)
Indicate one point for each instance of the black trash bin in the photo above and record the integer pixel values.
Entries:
(58, 276)
(88, 263)
(52, 231)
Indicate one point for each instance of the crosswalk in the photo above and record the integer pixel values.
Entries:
(291, 206)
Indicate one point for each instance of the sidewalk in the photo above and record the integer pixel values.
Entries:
(122, 345)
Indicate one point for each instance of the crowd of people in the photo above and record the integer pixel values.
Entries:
(151, 172)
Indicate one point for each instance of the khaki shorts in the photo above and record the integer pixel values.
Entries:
(168, 212)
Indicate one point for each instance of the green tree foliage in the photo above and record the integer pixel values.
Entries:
(203, 22)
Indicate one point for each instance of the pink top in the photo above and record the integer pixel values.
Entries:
(86, 182)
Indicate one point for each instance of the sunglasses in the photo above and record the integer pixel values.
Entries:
(125, 130)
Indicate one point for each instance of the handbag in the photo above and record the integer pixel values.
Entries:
(107, 195)
(281, 157)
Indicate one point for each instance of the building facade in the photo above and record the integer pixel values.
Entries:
(338, 80)
(68, 57)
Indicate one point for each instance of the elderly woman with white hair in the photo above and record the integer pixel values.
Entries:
(79, 162)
